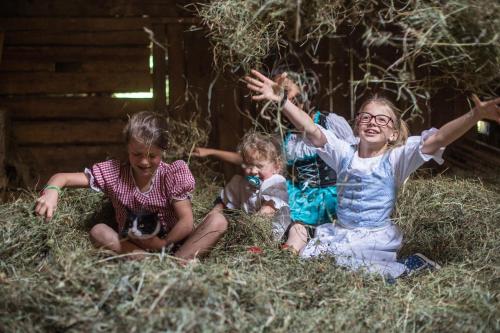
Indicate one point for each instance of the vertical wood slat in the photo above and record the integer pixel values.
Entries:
(3, 148)
(229, 129)
(176, 70)
(2, 37)
(159, 69)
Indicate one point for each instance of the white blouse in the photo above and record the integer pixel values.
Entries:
(239, 194)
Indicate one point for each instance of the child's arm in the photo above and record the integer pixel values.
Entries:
(223, 155)
(46, 204)
(180, 231)
(269, 90)
(458, 127)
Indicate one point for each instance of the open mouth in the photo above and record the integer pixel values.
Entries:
(371, 131)
(144, 169)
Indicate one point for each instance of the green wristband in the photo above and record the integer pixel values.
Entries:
(53, 187)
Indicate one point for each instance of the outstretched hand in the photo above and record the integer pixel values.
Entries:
(200, 152)
(265, 88)
(488, 109)
(47, 203)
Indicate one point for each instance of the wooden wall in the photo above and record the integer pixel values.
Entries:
(62, 61)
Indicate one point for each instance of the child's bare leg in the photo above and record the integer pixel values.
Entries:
(297, 237)
(204, 237)
(104, 236)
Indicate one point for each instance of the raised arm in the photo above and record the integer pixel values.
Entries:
(456, 128)
(223, 155)
(46, 204)
(267, 89)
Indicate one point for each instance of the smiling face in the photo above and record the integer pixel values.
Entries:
(375, 126)
(144, 160)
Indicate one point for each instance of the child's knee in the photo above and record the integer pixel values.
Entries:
(216, 222)
(298, 229)
(102, 234)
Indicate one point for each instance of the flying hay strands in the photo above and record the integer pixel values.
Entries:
(435, 43)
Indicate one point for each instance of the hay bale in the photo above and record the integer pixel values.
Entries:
(51, 279)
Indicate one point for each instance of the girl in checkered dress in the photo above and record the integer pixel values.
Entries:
(143, 190)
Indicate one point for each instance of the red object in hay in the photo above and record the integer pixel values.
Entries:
(255, 250)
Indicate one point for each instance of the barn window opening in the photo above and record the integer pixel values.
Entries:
(142, 94)
(483, 127)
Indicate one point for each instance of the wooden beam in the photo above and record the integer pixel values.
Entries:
(119, 38)
(75, 108)
(101, 66)
(67, 132)
(87, 8)
(88, 23)
(47, 160)
(77, 53)
(60, 83)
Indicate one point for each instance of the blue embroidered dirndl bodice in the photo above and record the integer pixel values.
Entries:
(366, 200)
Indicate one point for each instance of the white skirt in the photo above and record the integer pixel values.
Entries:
(372, 250)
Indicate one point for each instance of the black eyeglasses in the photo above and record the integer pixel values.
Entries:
(380, 119)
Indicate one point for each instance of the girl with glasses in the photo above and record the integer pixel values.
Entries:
(369, 174)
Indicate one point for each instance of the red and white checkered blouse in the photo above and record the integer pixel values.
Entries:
(171, 182)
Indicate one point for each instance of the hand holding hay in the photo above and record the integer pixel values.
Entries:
(46, 204)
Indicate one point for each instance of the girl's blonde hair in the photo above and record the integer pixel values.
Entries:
(147, 127)
(261, 146)
(400, 125)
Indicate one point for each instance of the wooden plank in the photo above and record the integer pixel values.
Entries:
(73, 66)
(36, 82)
(4, 124)
(31, 108)
(2, 38)
(159, 68)
(229, 128)
(76, 53)
(88, 23)
(176, 70)
(67, 132)
(121, 38)
(48, 160)
(198, 74)
(10, 65)
(81, 8)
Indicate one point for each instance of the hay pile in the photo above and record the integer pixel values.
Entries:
(51, 279)
(433, 43)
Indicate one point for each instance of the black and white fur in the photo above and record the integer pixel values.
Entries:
(141, 226)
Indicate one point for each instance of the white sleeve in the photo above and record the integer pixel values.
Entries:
(231, 194)
(275, 190)
(341, 128)
(334, 149)
(408, 158)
